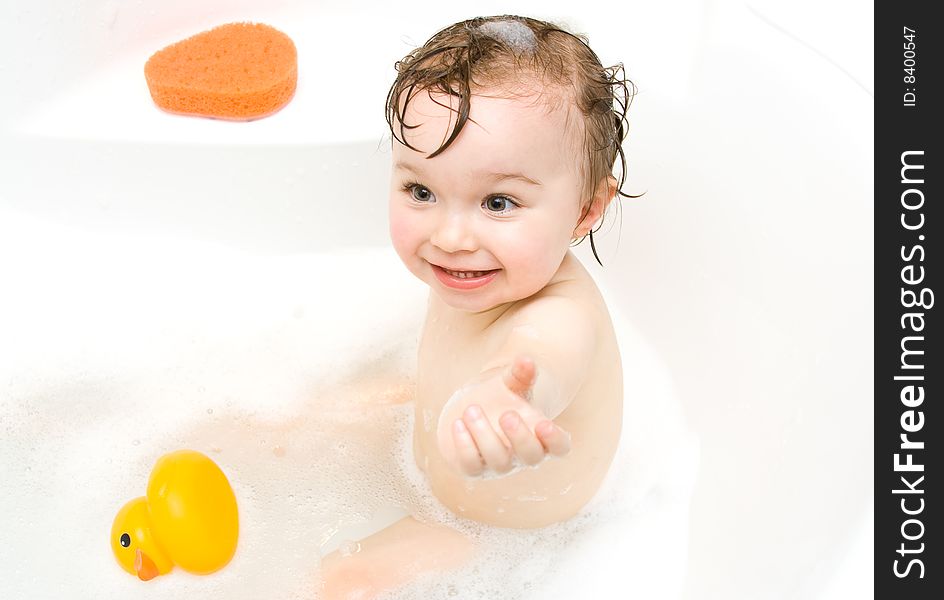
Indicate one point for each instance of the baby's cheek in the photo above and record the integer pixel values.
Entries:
(401, 237)
(535, 270)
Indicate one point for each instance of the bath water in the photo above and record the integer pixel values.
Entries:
(290, 373)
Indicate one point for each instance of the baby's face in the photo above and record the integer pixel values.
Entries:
(490, 219)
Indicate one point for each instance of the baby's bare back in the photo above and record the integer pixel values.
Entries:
(455, 347)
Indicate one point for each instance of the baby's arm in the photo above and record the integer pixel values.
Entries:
(506, 410)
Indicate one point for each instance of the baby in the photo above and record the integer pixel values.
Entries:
(505, 132)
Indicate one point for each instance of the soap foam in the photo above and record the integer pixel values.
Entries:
(261, 366)
(511, 32)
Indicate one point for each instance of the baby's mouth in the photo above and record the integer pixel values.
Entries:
(463, 280)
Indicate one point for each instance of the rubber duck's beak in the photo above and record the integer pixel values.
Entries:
(144, 566)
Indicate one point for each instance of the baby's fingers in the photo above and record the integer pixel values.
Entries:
(495, 454)
(525, 444)
(520, 375)
(467, 454)
(553, 438)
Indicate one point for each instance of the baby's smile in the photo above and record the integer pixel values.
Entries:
(463, 280)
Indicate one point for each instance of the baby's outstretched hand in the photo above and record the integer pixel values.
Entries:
(498, 424)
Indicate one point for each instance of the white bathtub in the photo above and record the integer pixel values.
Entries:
(746, 267)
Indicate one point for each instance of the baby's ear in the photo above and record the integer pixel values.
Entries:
(605, 193)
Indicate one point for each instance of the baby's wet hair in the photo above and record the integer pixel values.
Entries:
(501, 51)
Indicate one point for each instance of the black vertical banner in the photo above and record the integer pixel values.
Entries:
(909, 370)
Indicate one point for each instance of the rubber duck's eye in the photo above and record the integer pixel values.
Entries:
(125, 540)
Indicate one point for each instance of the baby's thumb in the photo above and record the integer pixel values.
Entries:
(520, 375)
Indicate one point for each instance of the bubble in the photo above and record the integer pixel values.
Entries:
(349, 547)
(427, 420)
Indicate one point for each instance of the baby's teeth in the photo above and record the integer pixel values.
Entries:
(465, 274)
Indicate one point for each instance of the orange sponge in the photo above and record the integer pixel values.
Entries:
(236, 71)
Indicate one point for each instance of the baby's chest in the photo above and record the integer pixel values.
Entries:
(441, 369)
(445, 365)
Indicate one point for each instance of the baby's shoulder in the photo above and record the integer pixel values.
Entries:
(548, 307)
(568, 311)
(554, 319)
(574, 298)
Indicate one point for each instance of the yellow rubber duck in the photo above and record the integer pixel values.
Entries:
(188, 519)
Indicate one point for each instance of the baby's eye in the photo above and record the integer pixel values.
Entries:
(420, 193)
(499, 204)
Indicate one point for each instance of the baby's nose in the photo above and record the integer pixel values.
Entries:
(454, 233)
